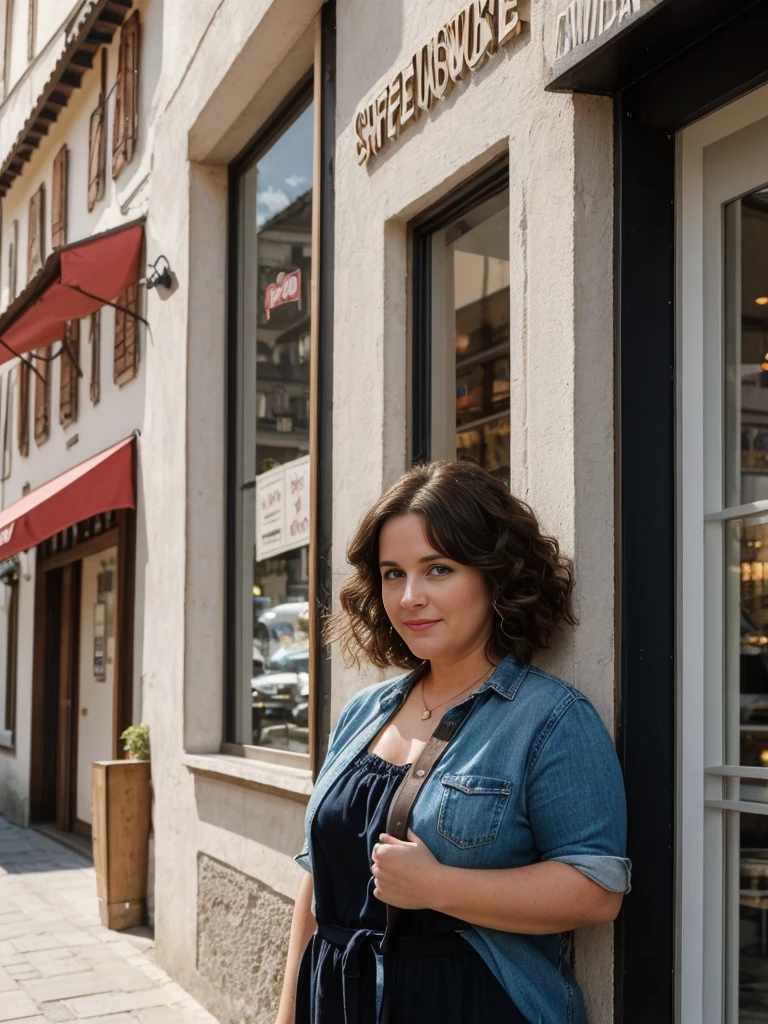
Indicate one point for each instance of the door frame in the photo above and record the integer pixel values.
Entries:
(45, 714)
(716, 164)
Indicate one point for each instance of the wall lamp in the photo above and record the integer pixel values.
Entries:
(160, 273)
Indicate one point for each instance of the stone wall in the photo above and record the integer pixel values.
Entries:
(242, 934)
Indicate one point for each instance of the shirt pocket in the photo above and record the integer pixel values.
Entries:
(471, 809)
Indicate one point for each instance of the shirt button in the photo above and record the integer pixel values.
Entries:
(420, 773)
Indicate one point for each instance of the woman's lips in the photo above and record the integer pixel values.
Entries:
(419, 626)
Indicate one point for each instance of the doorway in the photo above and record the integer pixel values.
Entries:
(722, 493)
(82, 665)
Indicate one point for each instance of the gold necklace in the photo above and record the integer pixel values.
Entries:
(427, 712)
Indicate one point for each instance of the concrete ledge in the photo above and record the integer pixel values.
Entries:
(291, 783)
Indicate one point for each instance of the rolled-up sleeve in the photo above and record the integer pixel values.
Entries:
(575, 795)
(302, 859)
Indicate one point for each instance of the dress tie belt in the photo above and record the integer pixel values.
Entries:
(357, 946)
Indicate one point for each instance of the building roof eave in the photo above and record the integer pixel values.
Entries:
(98, 22)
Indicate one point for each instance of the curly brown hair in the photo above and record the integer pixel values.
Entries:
(470, 517)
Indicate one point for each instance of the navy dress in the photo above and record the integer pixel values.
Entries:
(430, 974)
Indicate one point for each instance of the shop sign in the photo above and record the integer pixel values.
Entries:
(458, 48)
(583, 21)
(6, 534)
(287, 288)
(282, 508)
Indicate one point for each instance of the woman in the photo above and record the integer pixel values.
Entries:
(517, 831)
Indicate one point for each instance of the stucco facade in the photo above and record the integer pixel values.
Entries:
(214, 72)
(119, 411)
(227, 826)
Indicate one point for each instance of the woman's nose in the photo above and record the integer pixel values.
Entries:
(413, 593)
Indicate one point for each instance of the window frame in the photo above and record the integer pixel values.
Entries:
(485, 185)
(709, 192)
(312, 88)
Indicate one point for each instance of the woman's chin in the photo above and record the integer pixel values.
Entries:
(426, 648)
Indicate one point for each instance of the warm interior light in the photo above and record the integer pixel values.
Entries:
(761, 300)
(764, 756)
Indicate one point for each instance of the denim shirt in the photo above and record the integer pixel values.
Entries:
(532, 775)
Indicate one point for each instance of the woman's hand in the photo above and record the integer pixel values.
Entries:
(407, 874)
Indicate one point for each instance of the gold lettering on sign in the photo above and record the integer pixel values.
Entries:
(458, 47)
(408, 102)
(584, 20)
(393, 107)
(443, 58)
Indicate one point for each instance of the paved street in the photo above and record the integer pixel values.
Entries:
(57, 962)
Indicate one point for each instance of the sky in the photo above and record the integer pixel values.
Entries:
(285, 171)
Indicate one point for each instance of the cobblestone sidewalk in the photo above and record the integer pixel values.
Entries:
(57, 962)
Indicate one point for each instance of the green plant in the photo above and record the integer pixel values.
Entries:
(136, 742)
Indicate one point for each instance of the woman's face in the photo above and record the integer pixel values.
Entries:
(441, 608)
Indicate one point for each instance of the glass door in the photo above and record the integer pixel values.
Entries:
(723, 562)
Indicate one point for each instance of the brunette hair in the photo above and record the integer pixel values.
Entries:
(470, 517)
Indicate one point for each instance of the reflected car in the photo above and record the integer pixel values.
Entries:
(279, 625)
(274, 695)
(300, 714)
(290, 656)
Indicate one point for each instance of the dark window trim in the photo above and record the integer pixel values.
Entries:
(479, 188)
(705, 74)
(11, 661)
(294, 105)
(324, 399)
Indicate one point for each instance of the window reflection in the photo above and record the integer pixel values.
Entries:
(281, 414)
(747, 591)
(753, 919)
(471, 316)
(747, 348)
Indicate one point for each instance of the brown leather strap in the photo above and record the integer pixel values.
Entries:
(399, 816)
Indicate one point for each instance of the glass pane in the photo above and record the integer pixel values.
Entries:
(470, 330)
(277, 416)
(746, 616)
(746, 337)
(748, 917)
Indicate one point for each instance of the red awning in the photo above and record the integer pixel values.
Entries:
(103, 483)
(75, 281)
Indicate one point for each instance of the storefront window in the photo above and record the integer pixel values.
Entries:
(747, 349)
(744, 596)
(464, 268)
(272, 670)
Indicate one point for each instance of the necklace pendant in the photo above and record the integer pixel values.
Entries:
(425, 715)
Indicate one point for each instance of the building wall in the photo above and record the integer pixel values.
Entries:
(121, 410)
(226, 827)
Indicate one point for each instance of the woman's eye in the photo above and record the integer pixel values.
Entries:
(393, 574)
(439, 570)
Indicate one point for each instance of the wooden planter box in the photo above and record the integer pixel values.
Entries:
(122, 809)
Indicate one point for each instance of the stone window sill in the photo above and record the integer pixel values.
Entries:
(7, 741)
(278, 779)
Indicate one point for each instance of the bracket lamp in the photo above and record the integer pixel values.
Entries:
(160, 273)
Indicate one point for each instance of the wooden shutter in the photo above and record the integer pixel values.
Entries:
(59, 198)
(95, 340)
(97, 157)
(36, 232)
(13, 249)
(124, 136)
(24, 373)
(43, 398)
(70, 380)
(126, 337)
(97, 142)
